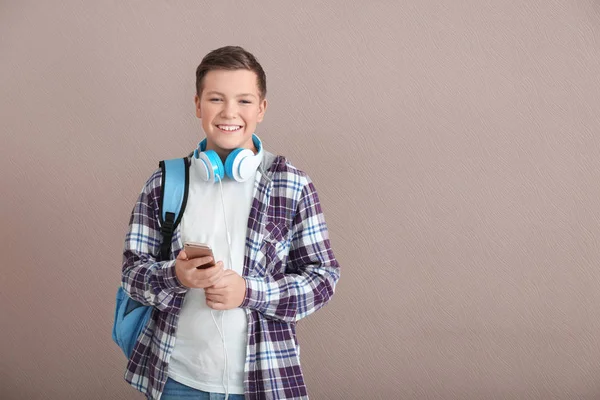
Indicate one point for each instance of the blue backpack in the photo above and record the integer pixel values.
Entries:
(131, 317)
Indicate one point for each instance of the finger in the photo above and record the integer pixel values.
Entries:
(207, 281)
(182, 262)
(213, 291)
(208, 273)
(215, 305)
(225, 280)
(221, 282)
(217, 298)
(212, 269)
(200, 261)
(214, 279)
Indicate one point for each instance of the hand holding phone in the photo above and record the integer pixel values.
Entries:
(195, 270)
(197, 250)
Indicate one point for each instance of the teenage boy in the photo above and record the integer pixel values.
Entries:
(229, 330)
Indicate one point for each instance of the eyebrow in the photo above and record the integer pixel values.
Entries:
(239, 95)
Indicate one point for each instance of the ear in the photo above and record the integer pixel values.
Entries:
(197, 103)
(262, 107)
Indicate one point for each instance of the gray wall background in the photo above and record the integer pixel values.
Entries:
(454, 145)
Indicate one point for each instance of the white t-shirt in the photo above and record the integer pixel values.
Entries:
(198, 359)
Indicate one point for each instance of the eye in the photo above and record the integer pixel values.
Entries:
(245, 102)
(214, 99)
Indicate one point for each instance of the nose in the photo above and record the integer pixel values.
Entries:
(229, 110)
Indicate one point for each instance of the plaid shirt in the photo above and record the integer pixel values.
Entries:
(289, 268)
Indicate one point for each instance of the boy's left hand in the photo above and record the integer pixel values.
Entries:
(227, 293)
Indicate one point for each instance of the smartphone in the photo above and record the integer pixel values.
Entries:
(197, 250)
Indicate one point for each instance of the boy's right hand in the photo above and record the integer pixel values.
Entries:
(190, 276)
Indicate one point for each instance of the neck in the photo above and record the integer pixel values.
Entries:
(223, 154)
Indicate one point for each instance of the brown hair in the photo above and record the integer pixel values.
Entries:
(231, 58)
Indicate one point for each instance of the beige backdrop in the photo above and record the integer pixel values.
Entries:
(454, 145)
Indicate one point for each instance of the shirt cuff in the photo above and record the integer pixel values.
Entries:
(170, 280)
(256, 292)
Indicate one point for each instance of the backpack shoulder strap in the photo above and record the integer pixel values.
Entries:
(173, 198)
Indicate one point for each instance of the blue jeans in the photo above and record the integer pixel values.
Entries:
(175, 390)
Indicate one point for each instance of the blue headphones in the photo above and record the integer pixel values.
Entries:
(240, 165)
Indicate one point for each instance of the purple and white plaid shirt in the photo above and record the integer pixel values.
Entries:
(290, 272)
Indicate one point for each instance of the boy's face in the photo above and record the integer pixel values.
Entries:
(230, 107)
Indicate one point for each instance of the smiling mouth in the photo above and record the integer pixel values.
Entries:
(229, 128)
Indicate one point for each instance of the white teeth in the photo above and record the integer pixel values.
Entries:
(229, 127)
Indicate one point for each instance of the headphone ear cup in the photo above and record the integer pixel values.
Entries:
(214, 167)
(232, 164)
(204, 167)
(248, 163)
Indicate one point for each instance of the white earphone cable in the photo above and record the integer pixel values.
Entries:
(221, 330)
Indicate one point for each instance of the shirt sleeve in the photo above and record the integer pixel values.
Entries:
(144, 278)
(311, 273)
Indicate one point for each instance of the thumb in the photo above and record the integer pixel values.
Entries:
(182, 255)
